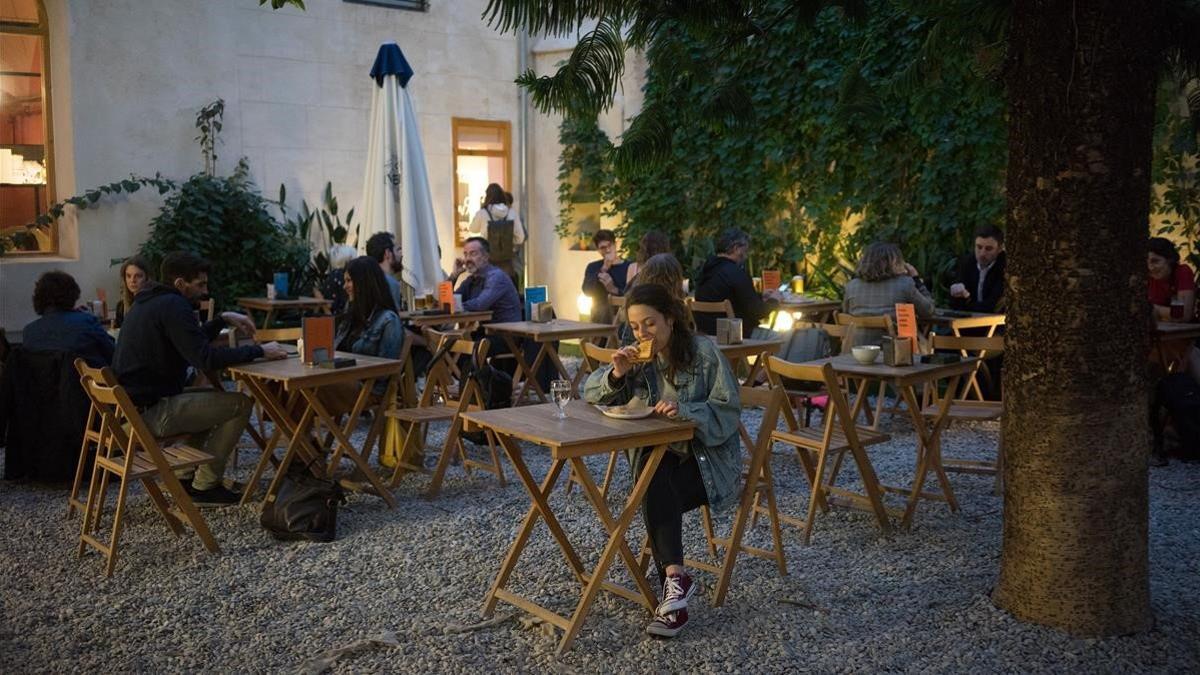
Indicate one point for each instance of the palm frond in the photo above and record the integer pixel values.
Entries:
(586, 83)
(538, 17)
(646, 143)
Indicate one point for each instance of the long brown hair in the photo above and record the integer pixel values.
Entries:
(681, 349)
(140, 263)
(371, 293)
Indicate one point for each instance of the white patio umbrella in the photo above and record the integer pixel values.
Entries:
(396, 187)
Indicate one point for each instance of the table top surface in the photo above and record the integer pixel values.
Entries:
(1176, 330)
(293, 372)
(267, 303)
(946, 317)
(917, 372)
(585, 426)
(442, 317)
(802, 301)
(747, 345)
(555, 329)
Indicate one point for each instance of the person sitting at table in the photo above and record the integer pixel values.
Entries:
(604, 277)
(686, 379)
(160, 338)
(978, 284)
(486, 287)
(332, 288)
(651, 244)
(1172, 287)
(662, 269)
(369, 326)
(135, 272)
(62, 327)
(724, 277)
(383, 249)
(881, 280)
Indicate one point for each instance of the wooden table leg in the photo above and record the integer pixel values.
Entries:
(283, 423)
(929, 449)
(616, 539)
(531, 375)
(298, 444)
(539, 508)
(314, 404)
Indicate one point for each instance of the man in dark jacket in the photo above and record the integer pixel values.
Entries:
(160, 338)
(979, 279)
(606, 276)
(724, 277)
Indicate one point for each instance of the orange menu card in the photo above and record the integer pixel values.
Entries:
(318, 339)
(102, 296)
(446, 296)
(771, 280)
(906, 322)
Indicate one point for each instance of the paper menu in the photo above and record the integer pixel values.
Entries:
(318, 338)
(771, 280)
(906, 322)
(446, 296)
(534, 294)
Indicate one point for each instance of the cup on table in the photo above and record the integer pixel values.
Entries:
(758, 287)
(1177, 307)
(560, 393)
(270, 291)
(281, 283)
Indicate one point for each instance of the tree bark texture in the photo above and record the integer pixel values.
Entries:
(1081, 86)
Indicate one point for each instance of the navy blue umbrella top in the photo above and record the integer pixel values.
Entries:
(390, 61)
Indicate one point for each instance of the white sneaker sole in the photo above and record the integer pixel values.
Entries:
(661, 630)
(666, 607)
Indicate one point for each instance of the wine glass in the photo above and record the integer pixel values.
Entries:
(560, 393)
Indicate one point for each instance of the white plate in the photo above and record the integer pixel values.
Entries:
(635, 414)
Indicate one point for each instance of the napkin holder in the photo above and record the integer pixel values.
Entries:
(729, 331)
(541, 312)
(897, 351)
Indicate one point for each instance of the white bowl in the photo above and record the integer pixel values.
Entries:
(866, 354)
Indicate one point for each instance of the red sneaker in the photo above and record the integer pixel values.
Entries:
(668, 625)
(677, 588)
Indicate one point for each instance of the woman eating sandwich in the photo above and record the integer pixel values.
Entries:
(682, 376)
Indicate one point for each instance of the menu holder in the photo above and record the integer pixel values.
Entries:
(541, 312)
(318, 339)
(771, 280)
(534, 294)
(102, 296)
(906, 322)
(446, 296)
(729, 331)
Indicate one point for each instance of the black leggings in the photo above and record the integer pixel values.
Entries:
(675, 489)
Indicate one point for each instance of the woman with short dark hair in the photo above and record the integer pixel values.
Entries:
(688, 379)
(61, 326)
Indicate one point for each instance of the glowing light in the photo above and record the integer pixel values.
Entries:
(584, 304)
(783, 321)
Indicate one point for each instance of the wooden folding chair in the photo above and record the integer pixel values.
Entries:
(964, 407)
(757, 483)
(413, 423)
(135, 454)
(852, 324)
(723, 308)
(208, 310)
(837, 436)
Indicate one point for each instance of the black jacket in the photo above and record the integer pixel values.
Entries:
(44, 411)
(722, 279)
(161, 336)
(967, 274)
(601, 312)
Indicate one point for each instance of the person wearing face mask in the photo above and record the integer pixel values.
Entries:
(688, 379)
(161, 337)
(724, 277)
(135, 272)
(382, 247)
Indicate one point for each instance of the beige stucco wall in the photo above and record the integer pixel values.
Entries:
(130, 75)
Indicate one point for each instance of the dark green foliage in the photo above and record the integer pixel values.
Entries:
(924, 173)
(300, 225)
(584, 173)
(1175, 202)
(226, 220)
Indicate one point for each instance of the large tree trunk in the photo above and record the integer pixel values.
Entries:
(1081, 89)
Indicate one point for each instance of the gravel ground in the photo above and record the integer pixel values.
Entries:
(854, 600)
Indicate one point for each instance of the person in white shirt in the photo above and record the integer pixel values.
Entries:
(497, 209)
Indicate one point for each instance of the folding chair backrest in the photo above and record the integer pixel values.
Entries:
(597, 355)
(781, 373)
(852, 323)
(616, 301)
(771, 400)
(116, 410)
(444, 368)
(971, 345)
(207, 310)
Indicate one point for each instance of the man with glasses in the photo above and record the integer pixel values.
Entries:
(606, 276)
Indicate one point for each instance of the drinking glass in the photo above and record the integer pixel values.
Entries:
(560, 393)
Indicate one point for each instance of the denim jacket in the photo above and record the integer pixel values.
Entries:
(382, 337)
(707, 394)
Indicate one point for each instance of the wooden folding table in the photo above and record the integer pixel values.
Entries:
(811, 308)
(906, 379)
(545, 334)
(467, 321)
(288, 390)
(585, 432)
(315, 305)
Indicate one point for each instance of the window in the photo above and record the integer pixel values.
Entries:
(414, 5)
(26, 144)
(482, 155)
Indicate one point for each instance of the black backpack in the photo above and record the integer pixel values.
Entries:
(304, 509)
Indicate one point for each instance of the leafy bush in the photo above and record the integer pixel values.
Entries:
(226, 220)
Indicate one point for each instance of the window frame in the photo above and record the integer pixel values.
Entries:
(505, 128)
(41, 30)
